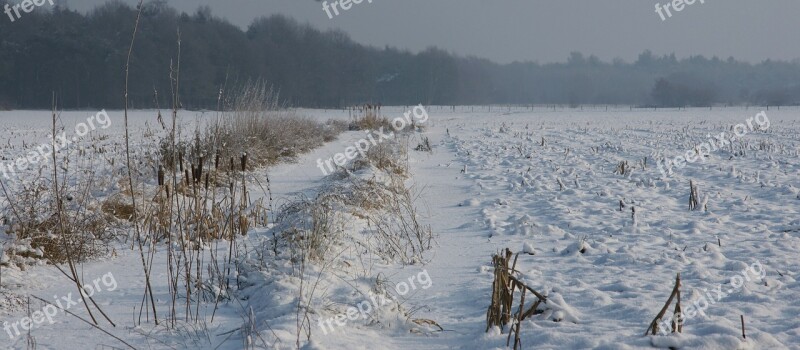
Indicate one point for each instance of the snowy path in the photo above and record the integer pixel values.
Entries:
(455, 300)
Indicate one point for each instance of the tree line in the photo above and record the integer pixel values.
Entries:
(81, 57)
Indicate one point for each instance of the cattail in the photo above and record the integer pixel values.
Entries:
(216, 161)
(206, 181)
(244, 161)
(200, 169)
(160, 176)
(180, 160)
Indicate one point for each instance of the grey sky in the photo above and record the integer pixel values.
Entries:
(544, 31)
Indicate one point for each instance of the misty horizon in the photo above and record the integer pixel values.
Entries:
(399, 174)
(314, 68)
(542, 32)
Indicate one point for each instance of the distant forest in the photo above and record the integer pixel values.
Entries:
(81, 58)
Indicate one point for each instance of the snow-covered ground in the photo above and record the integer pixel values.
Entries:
(542, 181)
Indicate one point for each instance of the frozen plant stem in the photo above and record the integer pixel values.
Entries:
(60, 212)
(743, 334)
(135, 217)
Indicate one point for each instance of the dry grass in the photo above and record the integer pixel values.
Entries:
(382, 201)
(118, 207)
(256, 124)
(308, 226)
(387, 157)
(369, 119)
(252, 123)
(33, 220)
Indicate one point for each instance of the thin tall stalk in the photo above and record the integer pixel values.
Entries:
(60, 213)
(135, 217)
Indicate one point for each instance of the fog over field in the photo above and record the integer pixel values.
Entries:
(365, 174)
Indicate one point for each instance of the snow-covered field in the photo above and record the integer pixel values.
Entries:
(606, 246)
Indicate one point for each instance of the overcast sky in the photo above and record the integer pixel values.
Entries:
(542, 30)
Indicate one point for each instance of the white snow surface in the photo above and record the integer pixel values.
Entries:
(606, 272)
